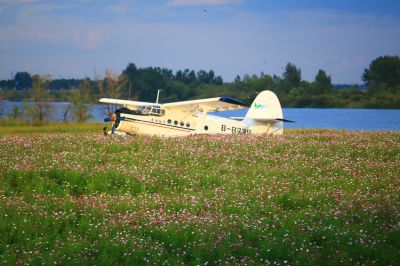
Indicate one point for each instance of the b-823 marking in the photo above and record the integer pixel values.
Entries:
(235, 130)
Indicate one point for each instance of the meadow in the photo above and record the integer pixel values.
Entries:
(309, 197)
(23, 128)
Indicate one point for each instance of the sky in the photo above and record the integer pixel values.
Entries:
(83, 38)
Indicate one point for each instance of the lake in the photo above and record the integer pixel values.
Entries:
(351, 119)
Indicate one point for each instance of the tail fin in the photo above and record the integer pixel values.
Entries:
(265, 106)
(265, 113)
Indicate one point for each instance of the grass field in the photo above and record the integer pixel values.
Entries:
(309, 197)
(23, 129)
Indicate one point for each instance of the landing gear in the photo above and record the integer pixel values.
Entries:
(113, 129)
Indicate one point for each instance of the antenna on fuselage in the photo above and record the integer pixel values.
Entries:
(158, 95)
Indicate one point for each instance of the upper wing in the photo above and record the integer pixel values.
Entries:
(126, 103)
(207, 105)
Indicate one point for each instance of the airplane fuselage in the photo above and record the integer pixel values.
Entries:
(180, 125)
(184, 125)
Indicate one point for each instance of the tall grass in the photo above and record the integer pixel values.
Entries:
(12, 127)
(308, 197)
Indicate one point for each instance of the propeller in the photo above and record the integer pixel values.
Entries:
(114, 119)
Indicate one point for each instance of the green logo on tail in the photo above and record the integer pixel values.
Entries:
(259, 106)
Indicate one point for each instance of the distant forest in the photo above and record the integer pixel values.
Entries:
(381, 89)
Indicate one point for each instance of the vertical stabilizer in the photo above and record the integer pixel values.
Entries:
(265, 106)
(263, 113)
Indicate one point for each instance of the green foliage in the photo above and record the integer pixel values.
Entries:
(130, 82)
(142, 84)
(322, 83)
(80, 107)
(23, 80)
(291, 77)
(40, 109)
(383, 74)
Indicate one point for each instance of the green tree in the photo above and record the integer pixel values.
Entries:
(80, 109)
(218, 80)
(211, 76)
(151, 80)
(291, 77)
(202, 76)
(85, 88)
(80, 102)
(23, 80)
(40, 110)
(191, 76)
(237, 79)
(129, 82)
(383, 74)
(322, 83)
(66, 109)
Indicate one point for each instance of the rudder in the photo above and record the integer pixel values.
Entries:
(265, 106)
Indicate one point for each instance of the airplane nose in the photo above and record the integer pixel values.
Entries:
(108, 119)
(112, 119)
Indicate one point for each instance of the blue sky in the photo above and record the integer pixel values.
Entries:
(74, 39)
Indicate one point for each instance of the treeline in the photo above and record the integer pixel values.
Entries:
(382, 79)
(40, 110)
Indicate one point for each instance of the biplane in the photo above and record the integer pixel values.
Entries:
(185, 118)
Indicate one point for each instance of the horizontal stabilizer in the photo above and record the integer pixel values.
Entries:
(274, 120)
(285, 120)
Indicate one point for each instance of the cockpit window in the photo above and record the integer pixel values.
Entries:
(141, 109)
(151, 110)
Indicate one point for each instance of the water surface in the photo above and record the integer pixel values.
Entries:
(350, 119)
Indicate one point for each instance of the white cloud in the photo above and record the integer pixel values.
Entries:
(46, 36)
(89, 39)
(36, 27)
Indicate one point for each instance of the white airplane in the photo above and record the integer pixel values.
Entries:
(192, 117)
